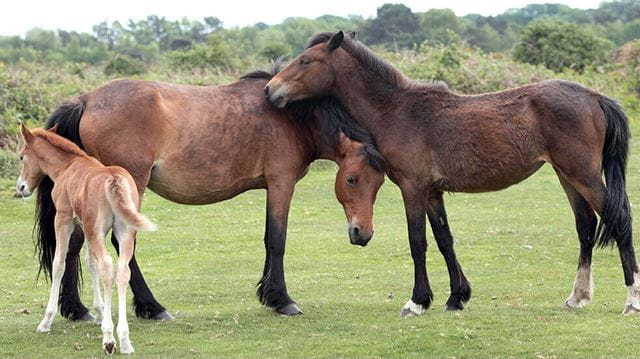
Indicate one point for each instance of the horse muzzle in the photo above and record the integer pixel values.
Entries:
(359, 237)
(22, 189)
(277, 98)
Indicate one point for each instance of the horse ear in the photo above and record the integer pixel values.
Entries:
(336, 40)
(26, 134)
(345, 143)
(54, 129)
(352, 34)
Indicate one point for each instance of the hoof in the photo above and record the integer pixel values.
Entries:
(290, 309)
(87, 317)
(162, 316)
(109, 348)
(126, 348)
(411, 309)
(43, 329)
(453, 307)
(630, 310)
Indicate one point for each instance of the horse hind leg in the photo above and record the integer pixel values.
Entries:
(105, 268)
(126, 237)
(98, 303)
(586, 223)
(589, 184)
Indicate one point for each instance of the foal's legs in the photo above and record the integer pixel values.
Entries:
(126, 238)
(416, 223)
(95, 237)
(460, 289)
(586, 222)
(64, 227)
(272, 289)
(70, 305)
(98, 303)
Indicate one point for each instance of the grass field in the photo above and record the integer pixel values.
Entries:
(518, 248)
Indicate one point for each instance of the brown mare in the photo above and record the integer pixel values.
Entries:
(435, 141)
(200, 145)
(99, 198)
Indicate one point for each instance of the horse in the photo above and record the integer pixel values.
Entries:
(206, 144)
(437, 141)
(99, 198)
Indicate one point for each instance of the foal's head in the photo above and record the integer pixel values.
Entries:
(357, 183)
(31, 171)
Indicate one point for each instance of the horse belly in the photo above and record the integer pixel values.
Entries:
(491, 179)
(189, 189)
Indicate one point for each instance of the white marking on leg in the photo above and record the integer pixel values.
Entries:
(633, 299)
(411, 309)
(582, 288)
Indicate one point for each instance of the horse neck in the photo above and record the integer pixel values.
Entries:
(368, 98)
(53, 160)
(325, 143)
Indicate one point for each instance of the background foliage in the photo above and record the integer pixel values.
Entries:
(598, 48)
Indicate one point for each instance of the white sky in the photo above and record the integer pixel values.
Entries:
(18, 16)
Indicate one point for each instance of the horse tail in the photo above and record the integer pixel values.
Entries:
(67, 117)
(118, 193)
(615, 220)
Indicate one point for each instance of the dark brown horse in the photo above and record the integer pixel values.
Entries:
(199, 145)
(435, 141)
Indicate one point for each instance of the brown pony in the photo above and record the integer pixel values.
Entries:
(99, 198)
(200, 145)
(435, 141)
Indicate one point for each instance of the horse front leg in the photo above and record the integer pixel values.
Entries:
(460, 288)
(416, 223)
(272, 289)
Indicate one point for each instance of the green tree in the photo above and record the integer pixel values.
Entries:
(560, 45)
(438, 25)
(394, 27)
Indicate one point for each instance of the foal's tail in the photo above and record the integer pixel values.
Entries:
(119, 196)
(615, 221)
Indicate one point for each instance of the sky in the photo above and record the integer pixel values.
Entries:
(18, 16)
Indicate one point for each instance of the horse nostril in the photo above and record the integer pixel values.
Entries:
(356, 230)
(266, 90)
(22, 187)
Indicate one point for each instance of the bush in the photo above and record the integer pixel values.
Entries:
(124, 66)
(215, 53)
(561, 45)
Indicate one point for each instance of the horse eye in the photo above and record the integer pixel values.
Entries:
(351, 180)
(304, 61)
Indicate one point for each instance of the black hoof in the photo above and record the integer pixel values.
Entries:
(87, 317)
(164, 315)
(454, 306)
(109, 348)
(290, 309)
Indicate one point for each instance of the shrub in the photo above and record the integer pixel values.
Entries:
(560, 45)
(215, 53)
(124, 66)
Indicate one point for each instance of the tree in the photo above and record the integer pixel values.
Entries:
(560, 45)
(394, 27)
(437, 25)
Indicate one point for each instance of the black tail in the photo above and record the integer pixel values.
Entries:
(615, 223)
(67, 116)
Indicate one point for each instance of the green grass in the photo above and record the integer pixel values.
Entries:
(518, 248)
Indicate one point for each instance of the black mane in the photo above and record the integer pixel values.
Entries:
(366, 58)
(330, 116)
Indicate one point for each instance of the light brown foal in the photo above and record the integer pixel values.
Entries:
(99, 198)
